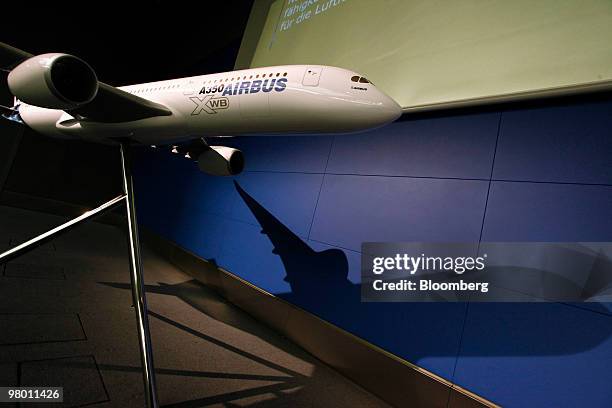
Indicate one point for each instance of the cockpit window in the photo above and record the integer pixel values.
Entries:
(360, 79)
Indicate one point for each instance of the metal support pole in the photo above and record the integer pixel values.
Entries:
(138, 290)
(49, 235)
(136, 277)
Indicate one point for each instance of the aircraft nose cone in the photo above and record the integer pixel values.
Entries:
(390, 110)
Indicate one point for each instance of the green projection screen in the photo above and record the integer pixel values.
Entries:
(440, 53)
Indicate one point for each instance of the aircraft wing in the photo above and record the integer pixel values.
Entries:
(109, 105)
(114, 105)
(10, 57)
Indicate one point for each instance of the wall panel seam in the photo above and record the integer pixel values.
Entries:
(314, 212)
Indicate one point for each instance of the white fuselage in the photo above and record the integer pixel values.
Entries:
(282, 99)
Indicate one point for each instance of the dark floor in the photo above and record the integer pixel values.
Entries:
(66, 320)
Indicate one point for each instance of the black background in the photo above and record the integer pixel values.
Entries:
(132, 42)
(125, 43)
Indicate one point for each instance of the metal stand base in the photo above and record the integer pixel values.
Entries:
(136, 276)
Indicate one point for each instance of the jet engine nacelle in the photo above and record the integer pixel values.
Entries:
(221, 161)
(54, 81)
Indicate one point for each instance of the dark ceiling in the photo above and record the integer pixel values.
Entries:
(130, 42)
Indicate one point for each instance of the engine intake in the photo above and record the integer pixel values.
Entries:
(221, 161)
(54, 81)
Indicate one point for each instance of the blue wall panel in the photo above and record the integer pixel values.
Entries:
(317, 198)
(559, 144)
(291, 197)
(438, 147)
(158, 179)
(355, 209)
(537, 355)
(305, 154)
(548, 212)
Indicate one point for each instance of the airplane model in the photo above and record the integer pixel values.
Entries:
(59, 95)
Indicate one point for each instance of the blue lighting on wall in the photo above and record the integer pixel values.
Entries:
(294, 221)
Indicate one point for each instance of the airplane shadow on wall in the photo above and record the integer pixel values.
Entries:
(308, 272)
(323, 277)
